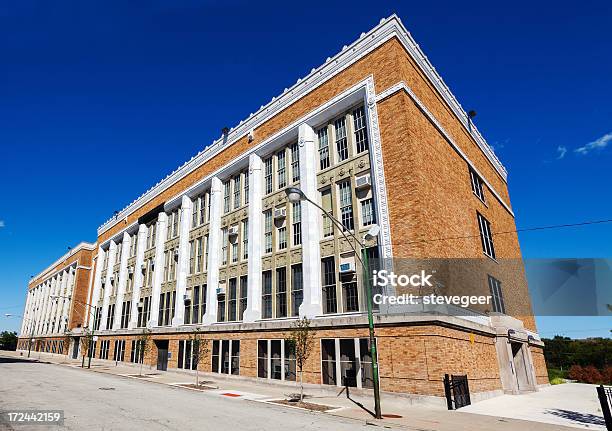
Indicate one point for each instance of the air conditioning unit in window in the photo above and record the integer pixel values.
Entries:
(363, 182)
(347, 267)
(221, 288)
(187, 298)
(232, 231)
(280, 213)
(130, 270)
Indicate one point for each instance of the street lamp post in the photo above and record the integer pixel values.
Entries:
(294, 194)
(90, 335)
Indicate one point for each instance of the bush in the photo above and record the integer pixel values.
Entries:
(557, 381)
(607, 375)
(555, 373)
(576, 373)
(591, 375)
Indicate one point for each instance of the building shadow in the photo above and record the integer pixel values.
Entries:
(583, 418)
(10, 360)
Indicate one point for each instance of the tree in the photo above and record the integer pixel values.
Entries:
(200, 350)
(86, 344)
(301, 342)
(66, 338)
(143, 346)
(8, 340)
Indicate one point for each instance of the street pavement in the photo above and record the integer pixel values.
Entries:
(106, 398)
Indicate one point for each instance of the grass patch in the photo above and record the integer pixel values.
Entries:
(556, 373)
(557, 381)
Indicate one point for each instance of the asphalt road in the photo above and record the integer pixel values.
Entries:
(96, 401)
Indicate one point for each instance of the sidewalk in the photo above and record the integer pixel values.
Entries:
(403, 414)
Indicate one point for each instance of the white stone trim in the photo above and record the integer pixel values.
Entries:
(402, 86)
(45, 273)
(387, 29)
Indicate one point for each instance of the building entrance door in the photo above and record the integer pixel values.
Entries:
(520, 366)
(75, 347)
(162, 354)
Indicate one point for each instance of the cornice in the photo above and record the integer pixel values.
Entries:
(50, 269)
(367, 42)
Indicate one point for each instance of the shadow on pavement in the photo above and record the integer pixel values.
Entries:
(7, 360)
(583, 418)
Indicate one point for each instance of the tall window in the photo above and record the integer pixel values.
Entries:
(126, 309)
(187, 355)
(326, 202)
(323, 148)
(349, 292)
(226, 357)
(282, 238)
(232, 300)
(237, 191)
(268, 175)
(246, 188)
(266, 294)
(243, 296)
(235, 250)
(295, 162)
(477, 185)
(281, 169)
(486, 237)
(144, 312)
(341, 140)
(276, 360)
(281, 292)
(192, 256)
(328, 276)
(194, 212)
(496, 295)
(297, 289)
(118, 253)
(199, 267)
(268, 231)
(245, 239)
(361, 133)
(367, 212)
(346, 204)
(226, 196)
(203, 214)
(110, 316)
(296, 212)
(224, 241)
(133, 240)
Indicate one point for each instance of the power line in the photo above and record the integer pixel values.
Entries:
(529, 229)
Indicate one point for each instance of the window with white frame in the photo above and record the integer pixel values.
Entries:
(328, 277)
(232, 299)
(226, 196)
(368, 216)
(349, 359)
(226, 357)
(477, 185)
(119, 352)
(326, 203)
(282, 238)
(192, 256)
(324, 161)
(268, 231)
(361, 132)
(237, 191)
(346, 204)
(144, 312)
(486, 236)
(496, 295)
(235, 250)
(187, 355)
(246, 187)
(295, 162)
(281, 292)
(341, 139)
(244, 289)
(133, 241)
(268, 175)
(276, 360)
(245, 239)
(266, 295)
(297, 289)
(281, 168)
(224, 243)
(296, 220)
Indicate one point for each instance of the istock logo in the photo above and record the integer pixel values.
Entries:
(386, 278)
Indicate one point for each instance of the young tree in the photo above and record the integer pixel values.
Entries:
(200, 351)
(66, 338)
(86, 343)
(301, 342)
(143, 344)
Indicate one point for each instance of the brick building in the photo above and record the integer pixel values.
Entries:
(376, 138)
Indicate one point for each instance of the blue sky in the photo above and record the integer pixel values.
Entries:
(99, 100)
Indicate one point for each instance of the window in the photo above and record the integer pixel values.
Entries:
(351, 357)
(246, 188)
(245, 239)
(328, 276)
(206, 249)
(173, 224)
(281, 292)
(226, 196)
(295, 163)
(367, 212)
(282, 238)
(349, 292)
(136, 353)
(477, 185)
(119, 352)
(268, 175)
(486, 237)
(167, 265)
(193, 310)
(110, 316)
(296, 211)
(144, 311)
(235, 251)
(341, 140)
(496, 295)
(326, 203)
(346, 204)
(276, 360)
(192, 253)
(237, 191)
(187, 355)
(151, 228)
(199, 267)
(118, 253)
(281, 169)
(297, 289)
(221, 307)
(323, 148)
(361, 133)
(167, 302)
(243, 296)
(104, 348)
(226, 357)
(232, 301)
(224, 242)
(268, 231)
(126, 309)
(194, 212)
(204, 207)
(266, 295)
(133, 241)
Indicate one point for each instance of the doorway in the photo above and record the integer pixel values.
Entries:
(75, 347)
(520, 366)
(162, 354)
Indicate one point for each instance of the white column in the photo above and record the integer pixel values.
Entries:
(183, 261)
(112, 249)
(66, 307)
(123, 274)
(56, 302)
(26, 312)
(48, 305)
(38, 307)
(140, 249)
(253, 310)
(311, 217)
(214, 246)
(43, 312)
(59, 304)
(97, 284)
(158, 274)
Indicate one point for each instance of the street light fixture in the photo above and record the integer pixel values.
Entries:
(295, 194)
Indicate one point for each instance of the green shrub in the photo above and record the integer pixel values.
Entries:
(557, 381)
